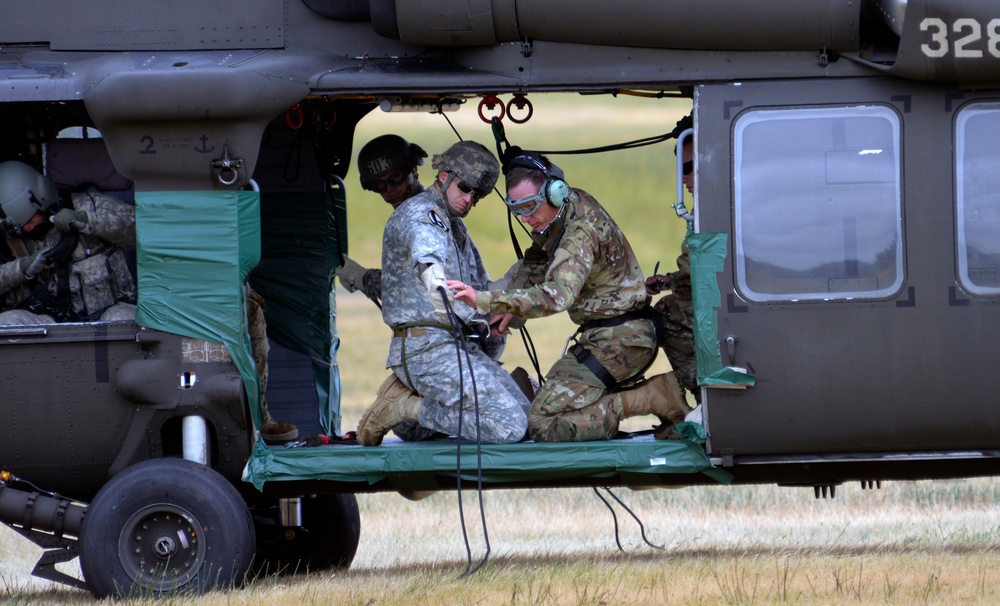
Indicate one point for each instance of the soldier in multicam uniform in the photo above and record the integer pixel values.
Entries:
(64, 264)
(580, 261)
(271, 430)
(676, 310)
(424, 241)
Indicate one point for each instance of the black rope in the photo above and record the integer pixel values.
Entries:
(652, 140)
(460, 347)
(529, 347)
(642, 528)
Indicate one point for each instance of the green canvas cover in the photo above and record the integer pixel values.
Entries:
(708, 255)
(300, 251)
(194, 252)
(417, 465)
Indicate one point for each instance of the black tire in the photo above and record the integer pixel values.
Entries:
(327, 539)
(165, 527)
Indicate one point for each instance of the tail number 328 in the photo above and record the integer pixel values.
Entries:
(967, 36)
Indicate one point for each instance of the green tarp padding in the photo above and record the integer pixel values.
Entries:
(295, 279)
(708, 256)
(522, 462)
(195, 250)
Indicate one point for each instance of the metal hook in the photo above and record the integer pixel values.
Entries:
(227, 168)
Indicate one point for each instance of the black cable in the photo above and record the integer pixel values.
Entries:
(651, 140)
(455, 130)
(642, 528)
(460, 346)
(529, 347)
(613, 517)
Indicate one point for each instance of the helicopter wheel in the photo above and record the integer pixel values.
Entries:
(165, 527)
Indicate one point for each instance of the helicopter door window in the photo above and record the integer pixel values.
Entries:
(977, 182)
(818, 203)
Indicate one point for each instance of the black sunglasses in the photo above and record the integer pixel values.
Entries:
(465, 188)
(688, 167)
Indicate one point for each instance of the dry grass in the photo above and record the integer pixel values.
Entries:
(908, 543)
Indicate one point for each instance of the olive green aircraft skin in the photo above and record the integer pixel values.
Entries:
(182, 93)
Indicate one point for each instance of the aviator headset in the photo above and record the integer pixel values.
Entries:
(555, 190)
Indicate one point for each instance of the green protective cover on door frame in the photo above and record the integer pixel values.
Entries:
(708, 256)
(194, 252)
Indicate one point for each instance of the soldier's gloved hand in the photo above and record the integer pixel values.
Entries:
(433, 278)
(351, 274)
(11, 228)
(36, 263)
(68, 219)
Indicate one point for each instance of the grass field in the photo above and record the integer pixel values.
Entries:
(908, 543)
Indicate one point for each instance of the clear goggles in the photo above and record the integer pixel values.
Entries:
(525, 206)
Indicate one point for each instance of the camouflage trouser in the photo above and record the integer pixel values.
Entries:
(678, 340)
(259, 346)
(501, 405)
(574, 406)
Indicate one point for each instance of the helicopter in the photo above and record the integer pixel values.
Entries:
(844, 260)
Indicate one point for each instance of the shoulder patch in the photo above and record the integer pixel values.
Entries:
(437, 218)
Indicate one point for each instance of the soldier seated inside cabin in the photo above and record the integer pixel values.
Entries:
(66, 254)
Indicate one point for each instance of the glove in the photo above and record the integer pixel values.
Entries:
(11, 228)
(433, 278)
(351, 274)
(34, 264)
(69, 220)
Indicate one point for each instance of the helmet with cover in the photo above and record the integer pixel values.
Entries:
(471, 163)
(24, 191)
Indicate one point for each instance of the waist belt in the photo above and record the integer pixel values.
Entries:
(419, 329)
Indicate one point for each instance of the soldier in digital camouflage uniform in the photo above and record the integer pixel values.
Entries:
(69, 264)
(424, 241)
(581, 262)
(387, 165)
(63, 264)
(676, 310)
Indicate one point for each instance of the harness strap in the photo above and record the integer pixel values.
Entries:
(646, 313)
(585, 357)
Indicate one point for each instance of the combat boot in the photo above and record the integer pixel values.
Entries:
(272, 431)
(524, 382)
(662, 396)
(393, 404)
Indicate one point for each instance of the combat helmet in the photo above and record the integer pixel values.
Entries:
(387, 153)
(471, 163)
(24, 191)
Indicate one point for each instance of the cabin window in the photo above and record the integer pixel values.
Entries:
(977, 181)
(818, 204)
